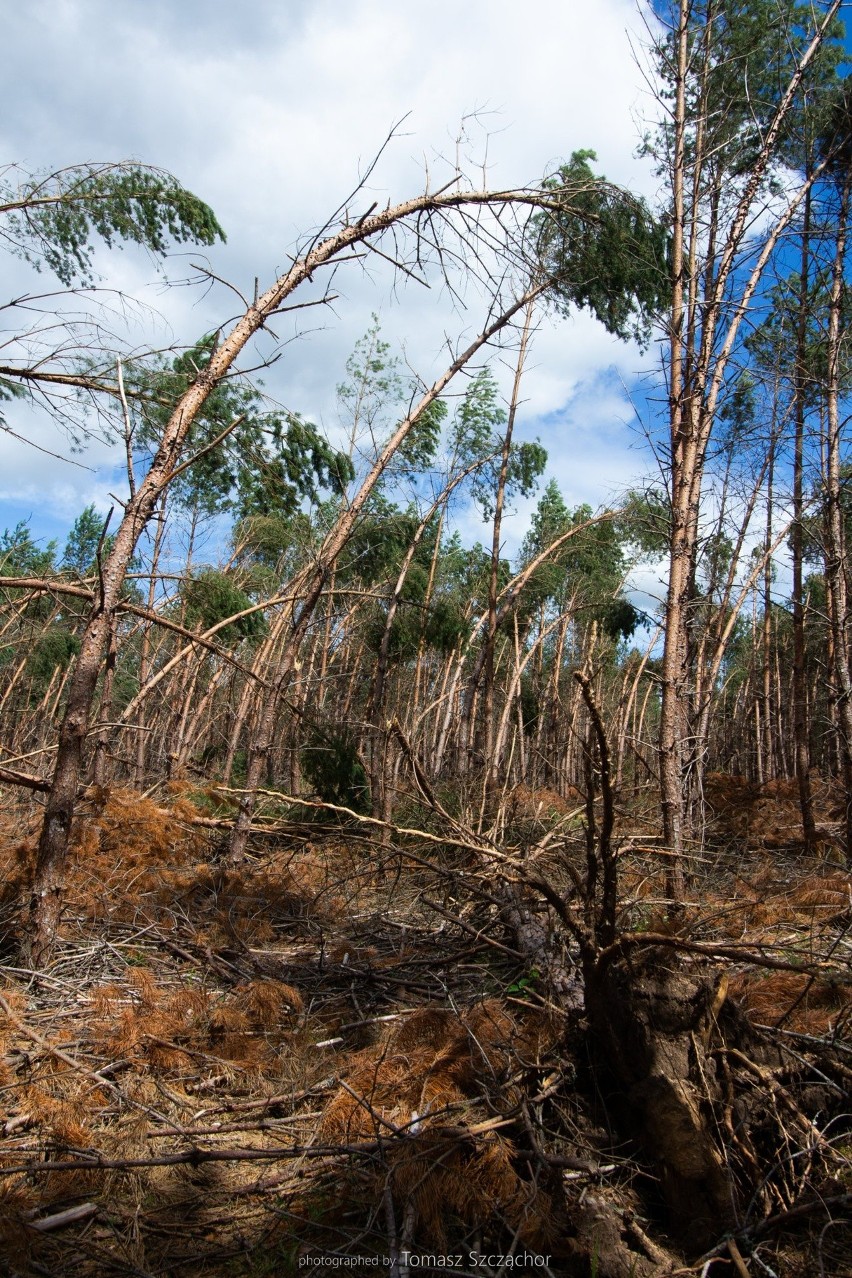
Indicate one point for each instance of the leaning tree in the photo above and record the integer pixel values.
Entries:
(539, 241)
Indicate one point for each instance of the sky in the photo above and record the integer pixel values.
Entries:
(271, 112)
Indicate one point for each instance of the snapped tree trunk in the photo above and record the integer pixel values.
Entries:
(313, 579)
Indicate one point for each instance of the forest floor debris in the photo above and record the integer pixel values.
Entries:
(335, 1049)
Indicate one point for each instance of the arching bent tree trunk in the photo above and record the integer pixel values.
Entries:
(59, 811)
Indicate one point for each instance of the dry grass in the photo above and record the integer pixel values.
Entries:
(185, 1011)
(768, 816)
(795, 1000)
(425, 1078)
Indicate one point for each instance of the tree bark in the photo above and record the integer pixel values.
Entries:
(800, 696)
(835, 534)
(703, 328)
(674, 672)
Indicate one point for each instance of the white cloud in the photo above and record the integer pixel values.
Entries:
(271, 112)
(40, 471)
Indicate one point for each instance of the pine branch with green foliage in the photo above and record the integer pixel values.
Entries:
(53, 219)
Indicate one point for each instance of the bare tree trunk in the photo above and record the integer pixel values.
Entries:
(249, 692)
(800, 699)
(551, 712)
(145, 654)
(427, 600)
(98, 772)
(835, 538)
(190, 742)
(59, 810)
(512, 699)
(674, 669)
(442, 733)
(380, 738)
(703, 328)
(770, 765)
(177, 736)
(627, 713)
(781, 726)
(487, 733)
(326, 646)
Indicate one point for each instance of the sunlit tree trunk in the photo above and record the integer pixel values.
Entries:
(800, 697)
(835, 547)
(99, 757)
(673, 730)
(709, 300)
(59, 810)
(487, 701)
(769, 755)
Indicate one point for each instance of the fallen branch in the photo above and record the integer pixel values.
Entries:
(62, 1218)
(741, 954)
(12, 777)
(193, 1157)
(41, 1042)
